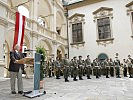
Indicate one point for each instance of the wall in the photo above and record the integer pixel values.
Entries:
(121, 28)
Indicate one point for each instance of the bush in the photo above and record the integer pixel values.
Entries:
(41, 50)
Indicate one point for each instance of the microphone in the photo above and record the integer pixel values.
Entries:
(28, 50)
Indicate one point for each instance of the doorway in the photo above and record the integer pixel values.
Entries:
(102, 56)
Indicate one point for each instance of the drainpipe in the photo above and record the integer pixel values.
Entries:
(66, 15)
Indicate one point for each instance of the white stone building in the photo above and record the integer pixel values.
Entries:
(45, 26)
(101, 28)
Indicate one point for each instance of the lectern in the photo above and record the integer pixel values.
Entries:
(36, 61)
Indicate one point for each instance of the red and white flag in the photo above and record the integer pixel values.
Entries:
(19, 30)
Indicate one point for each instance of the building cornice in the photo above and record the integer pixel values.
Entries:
(82, 3)
(76, 15)
(129, 4)
(101, 9)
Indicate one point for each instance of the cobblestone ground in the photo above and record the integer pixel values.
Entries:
(94, 89)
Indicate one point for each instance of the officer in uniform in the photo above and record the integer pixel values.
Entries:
(117, 67)
(99, 68)
(71, 68)
(57, 68)
(106, 62)
(124, 68)
(50, 66)
(80, 67)
(84, 69)
(65, 63)
(88, 67)
(129, 63)
(103, 69)
(75, 68)
(111, 64)
(96, 65)
(53, 68)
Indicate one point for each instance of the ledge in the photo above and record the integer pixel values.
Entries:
(82, 3)
(129, 4)
(101, 40)
(101, 9)
(2, 64)
(3, 21)
(77, 43)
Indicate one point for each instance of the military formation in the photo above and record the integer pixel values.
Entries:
(76, 68)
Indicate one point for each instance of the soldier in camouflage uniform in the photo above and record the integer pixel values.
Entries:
(53, 69)
(103, 69)
(75, 68)
(106, 62)
(84, 69)
(65, 63)
(96, 66)
(71, 68)
(117, 67)
(111, 64)
(50, 66)
(130, 65)
(88, 67)
(80, 68)
(57, 65)
(124, 68)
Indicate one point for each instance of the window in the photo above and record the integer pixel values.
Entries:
(130, 12)
(77, 33)
(76, 24)
(58, 31)
(104, 31)
(103, 18)
(132, 23)
(132, 16)
(41, 21)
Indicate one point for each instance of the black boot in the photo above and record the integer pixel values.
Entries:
(57, 77)
(130, 76)
(118, 76)
(75, 79)
(66, 80)
(107, 76)
(97, 77)
(88, 77)
(80, 78)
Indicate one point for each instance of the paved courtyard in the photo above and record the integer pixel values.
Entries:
(94, 89)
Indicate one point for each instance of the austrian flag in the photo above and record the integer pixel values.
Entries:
(19, 30)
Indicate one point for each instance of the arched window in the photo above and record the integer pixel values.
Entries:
(41, 21)
(24, 11)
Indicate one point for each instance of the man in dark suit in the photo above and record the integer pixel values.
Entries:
(16, 70)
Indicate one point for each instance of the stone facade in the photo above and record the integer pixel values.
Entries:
(51, 12)
(119, 13)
